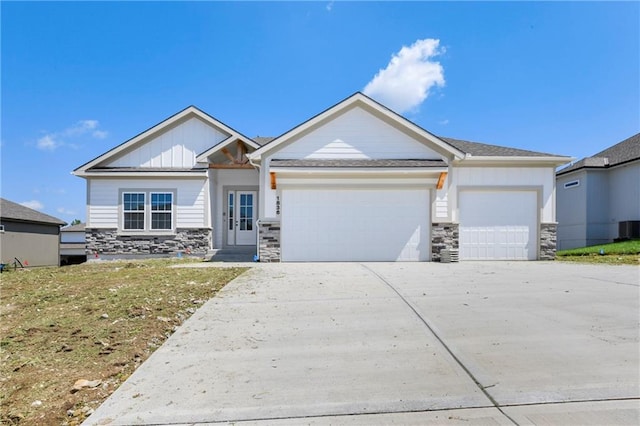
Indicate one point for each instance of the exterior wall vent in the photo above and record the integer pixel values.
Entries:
(572, 184)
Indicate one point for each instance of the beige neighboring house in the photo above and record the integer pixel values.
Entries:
(599, 197)
(356, 182)
(28, 235)
(73, 244)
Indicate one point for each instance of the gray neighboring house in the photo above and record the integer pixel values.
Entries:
(28, 235)
(73, 244)
(598, 197)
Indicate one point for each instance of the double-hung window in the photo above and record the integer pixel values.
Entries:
(161, 210)
(147, 211)
(133, 207)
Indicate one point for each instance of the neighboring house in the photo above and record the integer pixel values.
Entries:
(73, 244)
(599, 197)
(31, 237)
(356, 182)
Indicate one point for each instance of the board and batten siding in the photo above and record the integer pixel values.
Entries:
(503, 178)
(104, 200)
(176, 148)
(356, 135)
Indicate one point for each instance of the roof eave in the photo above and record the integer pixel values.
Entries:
(519, 160)
(141, 174)
(359, 170)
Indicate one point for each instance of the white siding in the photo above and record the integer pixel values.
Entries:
(356, 134)
(503, 177)
(624, 195)
(572, 211)
(72, 237)
(104, 200)
(177, 147)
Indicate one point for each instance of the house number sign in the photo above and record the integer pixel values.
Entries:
(278, 205)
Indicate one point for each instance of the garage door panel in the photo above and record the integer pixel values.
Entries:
(498, 225)
(355, 225)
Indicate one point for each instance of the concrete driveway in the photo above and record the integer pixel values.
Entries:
(381, 343)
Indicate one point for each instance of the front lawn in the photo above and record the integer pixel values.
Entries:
(95, 322)
(623, 252)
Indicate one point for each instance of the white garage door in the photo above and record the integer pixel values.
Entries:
(500, 225)
(355, 225)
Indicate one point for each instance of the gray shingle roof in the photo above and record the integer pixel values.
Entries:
(14, 211)
(623, 152)
(358, 163)
(263, 140)
(478, 149)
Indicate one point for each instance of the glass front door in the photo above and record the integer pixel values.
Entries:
(241, 212)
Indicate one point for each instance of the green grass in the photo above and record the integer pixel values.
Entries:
(623, 252)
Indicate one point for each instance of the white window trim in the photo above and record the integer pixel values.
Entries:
(144, 211)
(572, 184)
(147, 212)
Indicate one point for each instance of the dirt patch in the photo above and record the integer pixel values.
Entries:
(70, 336)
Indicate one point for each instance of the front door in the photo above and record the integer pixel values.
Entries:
(241, 211)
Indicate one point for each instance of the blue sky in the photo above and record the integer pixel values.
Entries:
(79, 78)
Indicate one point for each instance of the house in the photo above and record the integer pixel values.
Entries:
(28, 236)
(73, 244)
(599, 197)
(357, 182)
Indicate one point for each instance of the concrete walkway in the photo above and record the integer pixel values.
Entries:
(380, 343)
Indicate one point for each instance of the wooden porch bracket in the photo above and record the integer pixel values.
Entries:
(226, 152)
(273, 180)
(441, 179)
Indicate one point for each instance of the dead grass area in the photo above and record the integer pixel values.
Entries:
(95, 322)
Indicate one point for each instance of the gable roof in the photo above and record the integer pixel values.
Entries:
(359, 99)
(17, 212)
(620, 153)
(190, 111)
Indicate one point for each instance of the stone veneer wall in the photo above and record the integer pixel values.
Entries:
(269, 241)
(443, 236)
(109, 242)
(548, 243)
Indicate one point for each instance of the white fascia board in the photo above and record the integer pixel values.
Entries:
(345, 105)
(300, 182)
(515, 161)
(143, 174)
(358, 171)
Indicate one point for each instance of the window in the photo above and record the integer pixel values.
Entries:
(147, 211)
(572, 184)
(133, 208)
(161, 210)
(1, 229)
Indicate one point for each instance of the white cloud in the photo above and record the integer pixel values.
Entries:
(330, 6)
(48, 143)
(444, 122)
(100, 134)
(405, 83)
(33, 204)
(53, 140)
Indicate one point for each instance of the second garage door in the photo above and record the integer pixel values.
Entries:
(355, 225)
(498, 225)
